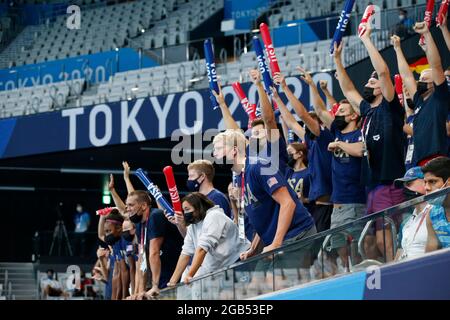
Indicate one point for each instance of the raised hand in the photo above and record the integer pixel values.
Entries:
(337, 54)
(421, 27)
(255, 76)
(111, 182)
(323, 84)
(306, 76)
(219, 96)
(395, 41)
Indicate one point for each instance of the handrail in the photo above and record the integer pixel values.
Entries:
(311, 239)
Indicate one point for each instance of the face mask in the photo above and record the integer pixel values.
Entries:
(135, 218)
(110, 239)
(340, 123)
(410, 103)
(368, 94)
(189, 217)
(439, 201)
(193, 185)
(79, 209)
(128, 236)
(401, 17)
(409, 194)
(291, 161)
(422, 87)
(224, 165)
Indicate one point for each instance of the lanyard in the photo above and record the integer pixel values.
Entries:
(427, 210)
(144, 234)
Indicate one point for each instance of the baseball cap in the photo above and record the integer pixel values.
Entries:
(410, 175)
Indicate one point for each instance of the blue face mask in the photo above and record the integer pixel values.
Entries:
(193, 185)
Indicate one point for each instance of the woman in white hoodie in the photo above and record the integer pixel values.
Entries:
(212, 239)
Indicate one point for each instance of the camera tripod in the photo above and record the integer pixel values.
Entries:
(60, 237)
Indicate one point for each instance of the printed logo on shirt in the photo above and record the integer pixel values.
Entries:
(297, 187)
(376, 138)
(272, 181)
(249, 198)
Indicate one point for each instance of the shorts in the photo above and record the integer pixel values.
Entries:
(296, 257)
(342, 214)
(383, 197)
(322, 216)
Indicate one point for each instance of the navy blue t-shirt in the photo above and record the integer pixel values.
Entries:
(430, 133)
(409, 145)
(385, 142)
(319, 160)
(300, 181)
(448, 137)
(108, 286)
(221, 200)
(160, 227)
(263, 210)
(346, 171)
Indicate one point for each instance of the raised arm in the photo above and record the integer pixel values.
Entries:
(267, 114)
(126, 177)
(318, 104)
(346, 84)
(331, 101)
(230, 123)
(354, 149)
(101, 228)
(116, 198)
(445, 32)
(432, 52)
(299, 108)
(387, 87)
(403, 67)
(288, 118)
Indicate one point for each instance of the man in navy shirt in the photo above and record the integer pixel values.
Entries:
(165, 248)
(317, 138)
(200, 179)
(271, 205)
(138, 204)
(383, 138)
(348, 195)
(431, 100)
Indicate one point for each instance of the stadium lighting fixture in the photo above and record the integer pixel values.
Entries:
(106, 199)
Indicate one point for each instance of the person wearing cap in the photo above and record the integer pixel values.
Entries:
(383, 140)
(413, 233)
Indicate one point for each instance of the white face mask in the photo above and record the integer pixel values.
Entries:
(79, 209)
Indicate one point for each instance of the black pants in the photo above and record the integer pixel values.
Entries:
(322, 216)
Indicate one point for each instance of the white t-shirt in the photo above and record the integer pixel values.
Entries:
(219, 237)
(414, 234)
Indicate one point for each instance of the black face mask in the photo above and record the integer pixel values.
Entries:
(409, 194)
(110, 239)
(422, 87)
(224, 165)
(340, 123)
(135, 218)
(291, 161)
(410, 103)
(189, 217)
(368, 94)
(128, 236)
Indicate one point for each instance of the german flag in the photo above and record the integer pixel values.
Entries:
(419, 65)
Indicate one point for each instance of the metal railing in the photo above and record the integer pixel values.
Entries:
(302, 261)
